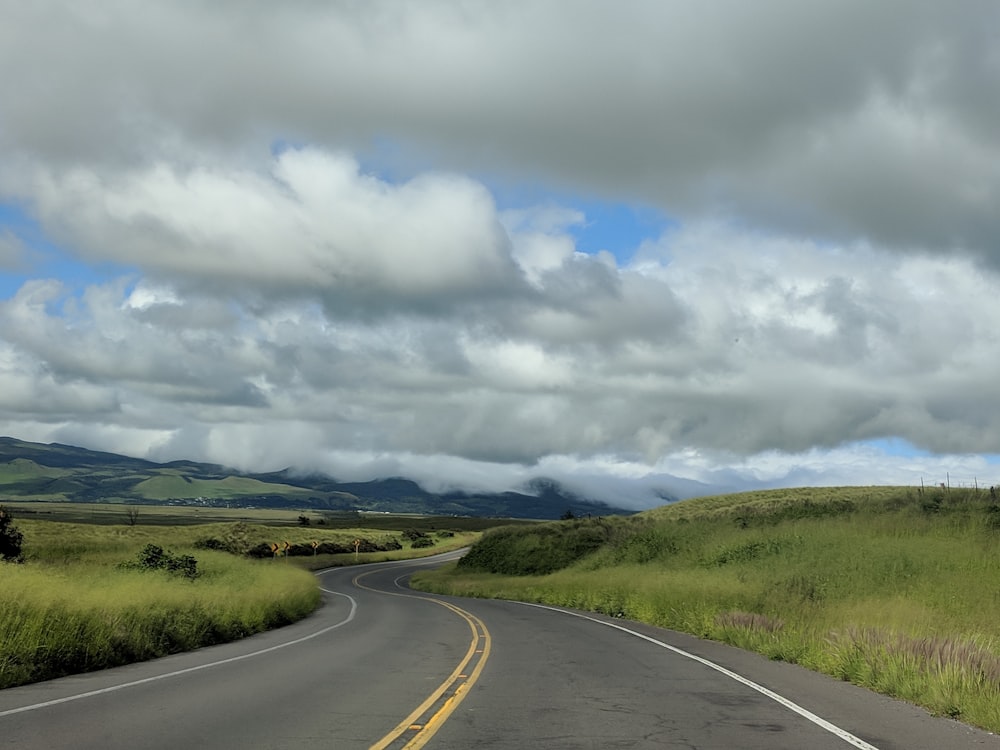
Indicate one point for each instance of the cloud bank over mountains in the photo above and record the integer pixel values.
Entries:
(346, 237)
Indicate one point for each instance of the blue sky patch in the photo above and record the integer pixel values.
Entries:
(44, 259)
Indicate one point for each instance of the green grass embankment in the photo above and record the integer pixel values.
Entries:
(73, 607)
(890, 588)
(93, 616)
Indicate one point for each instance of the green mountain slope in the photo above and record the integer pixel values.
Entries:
(49, 472)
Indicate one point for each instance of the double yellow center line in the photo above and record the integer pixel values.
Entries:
(426, 719)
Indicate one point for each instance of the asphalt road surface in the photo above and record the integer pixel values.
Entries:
(379, 666)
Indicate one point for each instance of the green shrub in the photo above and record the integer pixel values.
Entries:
(154, 557)
(262, 550)
(11, 538)
(210, 543)
(536, 549)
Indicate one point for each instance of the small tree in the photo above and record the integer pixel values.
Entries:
(10, 538)
(132, 514)
(154, 557)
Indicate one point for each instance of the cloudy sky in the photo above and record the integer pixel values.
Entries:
(629, 245)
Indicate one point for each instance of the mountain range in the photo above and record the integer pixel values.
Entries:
(56, 472)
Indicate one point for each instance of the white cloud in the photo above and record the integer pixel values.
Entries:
(710, 340)
(315, 225)
(832, 171)
(840, 120)
(12, 251)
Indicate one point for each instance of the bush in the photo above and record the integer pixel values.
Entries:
(11, 538)
(211, 543)
(420, 542)
(184, 565)
(536, 549)
(236, 540)
(154, 557)
(263, 549)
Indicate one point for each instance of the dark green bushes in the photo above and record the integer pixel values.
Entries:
(536, 549)
(211, 543)
(153, 557)
(11, 538)
(263, 550)
(418, 539)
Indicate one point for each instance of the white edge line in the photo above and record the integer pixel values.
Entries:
(155, 678)
(805, 713)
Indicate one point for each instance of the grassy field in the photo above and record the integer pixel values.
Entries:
(73, 606)
(187, 515)
(890, 588)
(159, 515)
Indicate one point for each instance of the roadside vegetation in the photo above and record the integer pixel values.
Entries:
(894, 589)
(77, 597)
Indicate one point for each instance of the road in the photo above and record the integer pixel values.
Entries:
(381, 666)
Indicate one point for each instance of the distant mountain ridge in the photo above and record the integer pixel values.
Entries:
(53, 471)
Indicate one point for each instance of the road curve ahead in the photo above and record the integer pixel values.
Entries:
(379, 666)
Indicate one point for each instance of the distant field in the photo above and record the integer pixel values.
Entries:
(185, 515)
(163, 515)
(895, 589)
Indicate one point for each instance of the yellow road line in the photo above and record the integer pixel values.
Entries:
(460, 679)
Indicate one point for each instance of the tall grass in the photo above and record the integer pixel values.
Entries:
(71, 607)
(889, 588)
(61, 621)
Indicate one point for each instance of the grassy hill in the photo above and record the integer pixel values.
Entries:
(54, 472)
(896, 589)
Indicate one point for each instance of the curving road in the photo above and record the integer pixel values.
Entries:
(381, 666)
